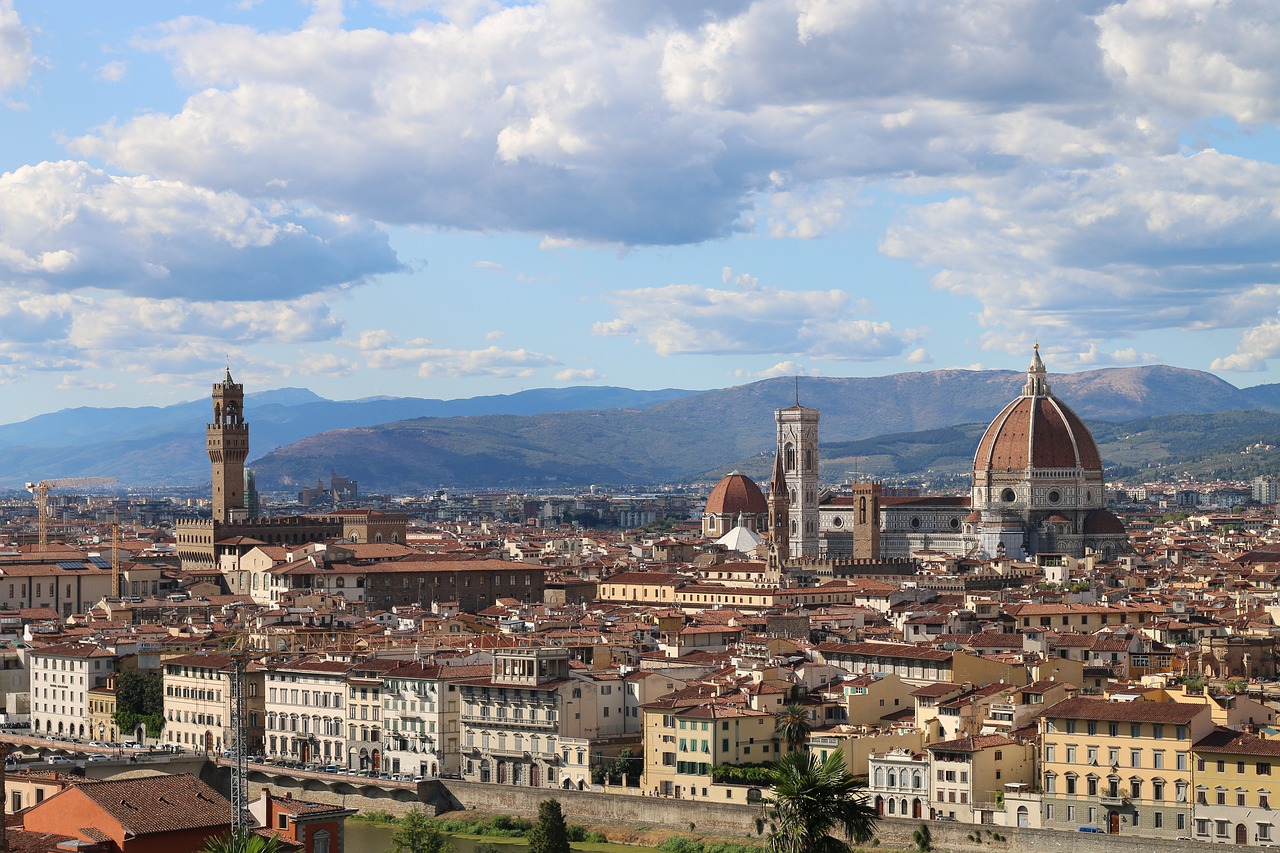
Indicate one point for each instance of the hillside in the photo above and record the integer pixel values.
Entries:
(165, 445)
(695, 437)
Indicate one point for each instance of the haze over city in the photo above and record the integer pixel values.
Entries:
(457, 198)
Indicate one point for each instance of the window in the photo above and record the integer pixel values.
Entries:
(1159, 819)
(1135, 758)
(1264, 768)
(1239, 798)
(1264, 800)
(1157, 789)
(1264, 832)
(1135, 730)
(1157, 731)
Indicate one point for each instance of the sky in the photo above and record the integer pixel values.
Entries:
(450, 198)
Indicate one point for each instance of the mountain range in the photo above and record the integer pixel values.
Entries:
(907, 425)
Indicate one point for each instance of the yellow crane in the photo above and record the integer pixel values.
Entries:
(40, 491)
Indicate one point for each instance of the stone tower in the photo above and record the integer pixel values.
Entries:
(779, 516)
(228, 445)
(798, 447)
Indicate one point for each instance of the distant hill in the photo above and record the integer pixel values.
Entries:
(165, 445)
(698, 435)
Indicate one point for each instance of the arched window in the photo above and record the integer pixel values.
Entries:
(862, 510)
(320, 842)
(789, 456)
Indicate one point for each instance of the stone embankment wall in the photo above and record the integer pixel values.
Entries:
(739, 820)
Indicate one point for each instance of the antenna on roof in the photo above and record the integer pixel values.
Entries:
(797, 390)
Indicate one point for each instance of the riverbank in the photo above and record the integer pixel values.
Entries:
(596, 837)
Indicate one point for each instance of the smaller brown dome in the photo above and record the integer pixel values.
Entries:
(1103, 522)
(734, 494)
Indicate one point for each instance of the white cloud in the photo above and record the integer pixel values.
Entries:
(383, 351)
(787, 368)
(326, 364)
(495, 335)
(114, 71)
(488, 265)
(919, 356)
(70, 382)
(15, 48)
(68, 226)
(573, 375)
(612, 329)
(751, 318)
(1197, 59)
(626, 124)
(1088, 255)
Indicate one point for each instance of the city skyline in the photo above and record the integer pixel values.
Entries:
(456, 199)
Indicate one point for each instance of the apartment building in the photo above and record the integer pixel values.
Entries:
(532, 721)
(61, 677)
(364, 715)
(688, 733)
(305, 711)
(1233, 788)
(421, 709)
(197, 703)
(1121, 766)
(968, 773)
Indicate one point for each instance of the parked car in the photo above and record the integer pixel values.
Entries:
(59, 759)
(330, 768)
(1088, 828)
(98, 757)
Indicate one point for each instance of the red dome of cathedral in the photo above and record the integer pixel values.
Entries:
(734, 494)
(1037, 431)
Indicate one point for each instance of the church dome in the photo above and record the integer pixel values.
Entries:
(736, 493)
(1037, 430)
(1103, 522)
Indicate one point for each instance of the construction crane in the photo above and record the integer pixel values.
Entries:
(242, 650)
(40, 491)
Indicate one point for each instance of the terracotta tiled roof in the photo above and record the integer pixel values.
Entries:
(971, 744)
(159, 803)
(1232, 742)
(734, 494)
(1086, 708)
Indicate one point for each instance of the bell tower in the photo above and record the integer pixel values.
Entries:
(227, 440)
(798, 447)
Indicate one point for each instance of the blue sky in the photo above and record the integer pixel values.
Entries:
(461, 197)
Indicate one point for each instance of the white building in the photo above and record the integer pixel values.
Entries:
(61, 677)
(898, 783)
(305, 712)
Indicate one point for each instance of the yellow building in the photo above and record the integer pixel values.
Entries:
(1121, 766)
(102, 712)
(1233, 788)
(685, 737)
(967, 773)
(873, 696)
(640, 588)
(197, 703)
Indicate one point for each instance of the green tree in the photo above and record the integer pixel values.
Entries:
(417, 833)
(549, 834)
(246, 841)
(812, 800)
(793, 726)
(139, 699)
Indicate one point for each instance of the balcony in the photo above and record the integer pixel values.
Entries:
(1108, 800)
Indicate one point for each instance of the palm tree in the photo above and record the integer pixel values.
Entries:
(246, 841)
(793, 726)
(813, 799)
